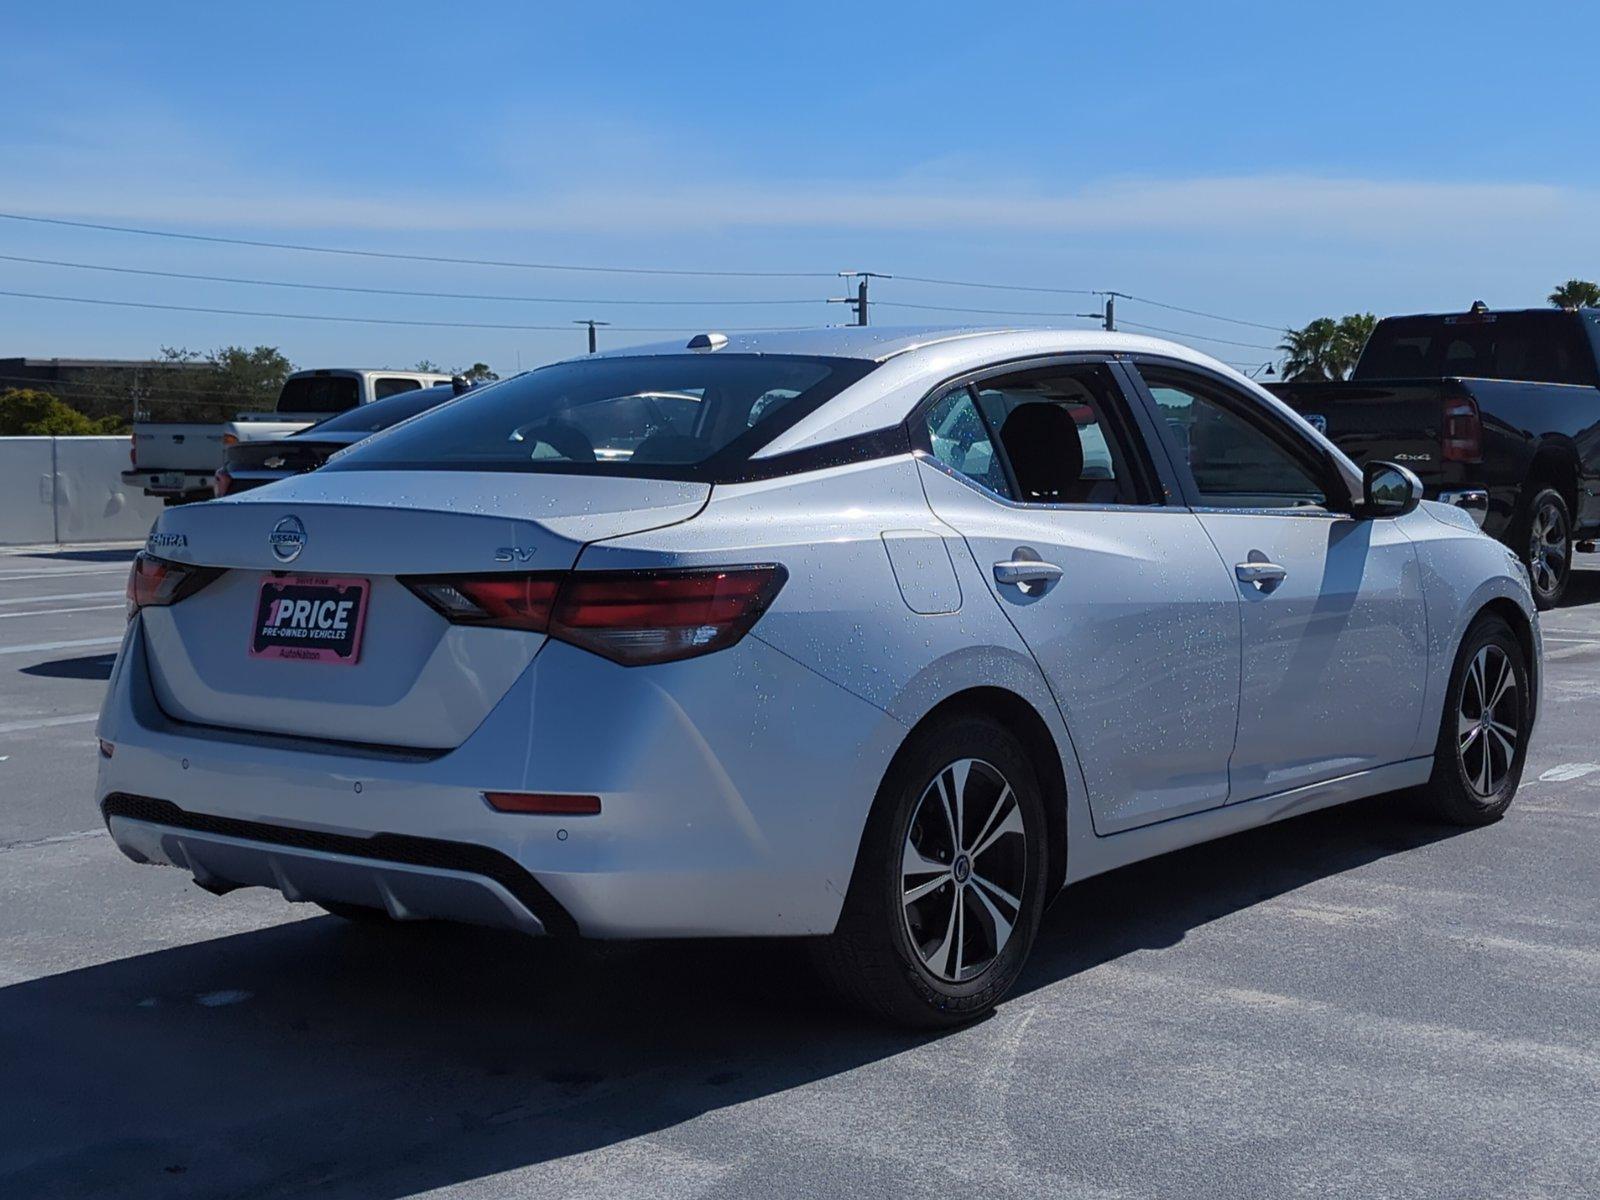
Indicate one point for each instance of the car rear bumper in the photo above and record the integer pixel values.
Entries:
(734, 789)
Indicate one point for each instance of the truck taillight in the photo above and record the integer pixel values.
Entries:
(630, 617)
(1461, 431)
(221, 481)
(133, 450)
(230, 439)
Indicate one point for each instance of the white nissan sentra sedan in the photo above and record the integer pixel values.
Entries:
(874, 637)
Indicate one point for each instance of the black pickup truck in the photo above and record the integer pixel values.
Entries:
(1498, 412)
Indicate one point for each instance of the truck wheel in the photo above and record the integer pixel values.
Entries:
(1483, 735)
(1544, 540)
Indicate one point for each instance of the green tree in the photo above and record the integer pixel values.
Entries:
(428, 365)
(1576, 293)
(478, 372)
(222, 382)
(28, 413)
(1325, 349)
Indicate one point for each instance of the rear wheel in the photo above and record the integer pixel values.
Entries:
(1546, 545)
(1483, 737)
(949, 883)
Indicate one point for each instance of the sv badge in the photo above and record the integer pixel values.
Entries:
(513, 554)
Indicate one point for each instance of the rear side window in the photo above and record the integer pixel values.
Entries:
(1048, 435)
(382, 389)
(319, 394)
(692, 416)
(1533, 347)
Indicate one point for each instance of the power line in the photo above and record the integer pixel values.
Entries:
(998, 287)
(1201, 337)
(241, 312)
(992, 312)
(373, 291)
(1195, 312)
(427, 258)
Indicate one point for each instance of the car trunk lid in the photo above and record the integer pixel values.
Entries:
(416, 681)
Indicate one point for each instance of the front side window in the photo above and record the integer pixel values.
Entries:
(1232, 461)
(689, 416)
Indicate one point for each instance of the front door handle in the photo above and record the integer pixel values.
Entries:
(1024, 571)
(1265, 575)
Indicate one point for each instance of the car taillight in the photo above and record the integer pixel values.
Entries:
(630, 617)
(154, 582)
(230, 439)
(1461, 431)
(221, 481)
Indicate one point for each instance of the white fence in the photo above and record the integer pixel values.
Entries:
(69, 489)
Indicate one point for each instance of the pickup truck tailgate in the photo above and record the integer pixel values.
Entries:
(184, 447)
(1397, 420)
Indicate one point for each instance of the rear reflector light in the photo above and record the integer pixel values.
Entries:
(156, 582)
(107, 749)
(630, 617)
(548, 804)
(1461, 431)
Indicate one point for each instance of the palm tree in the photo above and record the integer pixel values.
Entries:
(1325, 349)
(1576, 293)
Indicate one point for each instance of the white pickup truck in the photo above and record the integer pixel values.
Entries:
(176, 460)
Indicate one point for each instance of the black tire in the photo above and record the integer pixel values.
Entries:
(873, 960)
(1542, 538)
(1466, 788)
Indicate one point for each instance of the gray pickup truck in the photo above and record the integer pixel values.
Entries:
(177, 460)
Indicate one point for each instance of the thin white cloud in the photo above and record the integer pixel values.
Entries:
(1270, 205)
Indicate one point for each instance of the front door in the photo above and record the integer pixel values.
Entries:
(1121, 598)
(1332, 612)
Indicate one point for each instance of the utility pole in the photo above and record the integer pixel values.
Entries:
(1111, 311)
(591, 325)
(859, 300)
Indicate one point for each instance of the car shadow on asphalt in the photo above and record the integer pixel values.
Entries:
(88, 666)
(318, 1056)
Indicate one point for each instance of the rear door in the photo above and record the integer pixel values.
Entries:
(1120, 596)
(1335, 639)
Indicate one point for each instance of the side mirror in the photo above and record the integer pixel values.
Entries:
(1389, 490)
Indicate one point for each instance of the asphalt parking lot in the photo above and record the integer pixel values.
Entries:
(1354, 1003)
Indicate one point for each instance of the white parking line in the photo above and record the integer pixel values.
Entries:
(61, 596)
(48, 722)
(50, 612)
(74, 644)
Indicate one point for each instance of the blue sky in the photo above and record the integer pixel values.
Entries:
(1271, 162)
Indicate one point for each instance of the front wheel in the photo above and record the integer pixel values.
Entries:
(949, 884)
(1483, 737)
(1546, 546)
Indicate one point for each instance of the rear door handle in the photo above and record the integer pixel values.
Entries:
(1265, 575)
(1022, 571)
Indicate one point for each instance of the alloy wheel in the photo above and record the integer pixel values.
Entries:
(963, 870)
(1486, 737)
(1547, 547)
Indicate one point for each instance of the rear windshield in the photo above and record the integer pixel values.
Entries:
(686, 416)
(319, 394)
(1534, 347)
(380, 414)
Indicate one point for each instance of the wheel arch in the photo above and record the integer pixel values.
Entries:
(1023, 719)
(1555, 463)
